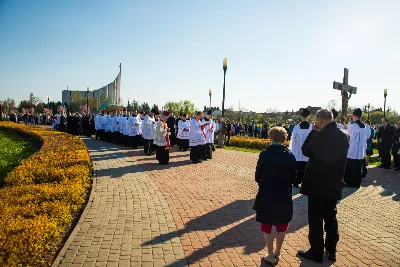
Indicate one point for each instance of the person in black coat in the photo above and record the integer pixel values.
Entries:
(396, 147)
(385, 139)
(171, 125)
(275, 173)
(326, 147)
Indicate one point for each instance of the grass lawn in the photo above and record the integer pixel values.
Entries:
(244, 149)
(14, 148)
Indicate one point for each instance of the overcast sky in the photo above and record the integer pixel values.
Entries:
(281, 54)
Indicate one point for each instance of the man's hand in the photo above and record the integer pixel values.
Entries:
(315, 127)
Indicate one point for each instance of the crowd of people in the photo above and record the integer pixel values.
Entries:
(323, 157)
(155, 132)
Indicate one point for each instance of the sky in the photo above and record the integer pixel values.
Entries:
(281, 54)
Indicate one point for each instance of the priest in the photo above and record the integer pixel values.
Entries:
(299, 135)
(149, 127)
(197, 138)
(161, 139)
(356, 154)
(183, 132)
(209, 129)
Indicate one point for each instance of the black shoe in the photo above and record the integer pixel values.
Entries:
(308, 255)
(194, 162)
(332, 256)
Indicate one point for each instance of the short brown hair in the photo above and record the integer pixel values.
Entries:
(278, 134)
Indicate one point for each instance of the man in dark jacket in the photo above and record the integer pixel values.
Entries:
(385, 139)
(396, 146)
(326, 146)
(171, 125)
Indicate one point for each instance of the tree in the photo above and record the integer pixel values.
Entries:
(155, 107)
(102, 99)
(7, 105)
(135, 105)
(76, 101)
(145, 107)
(185, 106)
(33, 100)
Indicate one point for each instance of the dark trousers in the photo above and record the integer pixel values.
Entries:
(102, 134)
(197, 153)
(162, 155)
(322, 211)
(209, 150)
(148, 146)
(121, 138)
(227, 139)
(183, 144)
(172, 139)
(301, 168)
(384, 153)
(395, 149)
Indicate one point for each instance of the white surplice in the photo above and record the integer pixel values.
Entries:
(296, 142)
(358, 136)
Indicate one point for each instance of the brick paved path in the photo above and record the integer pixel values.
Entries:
(144, 214)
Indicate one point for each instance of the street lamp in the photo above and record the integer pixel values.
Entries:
(224, 66)
(48, 102)
(87, 102)
(369, 105)
(384, 103)
(210, 93)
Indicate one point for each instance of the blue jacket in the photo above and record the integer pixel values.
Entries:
(274, 202)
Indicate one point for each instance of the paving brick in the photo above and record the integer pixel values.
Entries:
(144, 214)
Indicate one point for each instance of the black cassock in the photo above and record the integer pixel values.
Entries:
(171, 125)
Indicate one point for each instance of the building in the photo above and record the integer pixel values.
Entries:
(110, 93)
(313, 110)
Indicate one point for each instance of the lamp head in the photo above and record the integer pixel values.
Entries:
(369, 105)
(225, 64)
(210, 92)
(385, 92)
(88, 89)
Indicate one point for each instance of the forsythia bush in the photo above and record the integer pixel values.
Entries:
(42, 196)
(251, 142)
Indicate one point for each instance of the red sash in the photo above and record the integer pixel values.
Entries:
(167, 144)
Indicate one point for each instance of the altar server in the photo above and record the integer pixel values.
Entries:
(149, 127)
(299, 135)
(122, 126)
(356, 154)
(116, 126)
(183, 133)
(209, 130)
(161, 139)
(197, 138)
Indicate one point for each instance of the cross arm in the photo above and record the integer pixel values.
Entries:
(345, 87)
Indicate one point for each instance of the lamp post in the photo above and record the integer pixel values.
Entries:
(87, 102)
(369, 105)
(224, 66)
(48, 102)
(210, 93)
(221, 134)
(384, 103)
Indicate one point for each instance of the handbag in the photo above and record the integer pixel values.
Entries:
(255, 205)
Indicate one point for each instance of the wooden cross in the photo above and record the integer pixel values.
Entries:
(345, 85)
(346, 91)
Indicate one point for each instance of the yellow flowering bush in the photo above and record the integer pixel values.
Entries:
(251, 142)
(42, 196)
